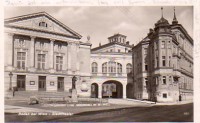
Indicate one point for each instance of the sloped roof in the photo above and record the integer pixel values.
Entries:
(8, 22)
(110, 44)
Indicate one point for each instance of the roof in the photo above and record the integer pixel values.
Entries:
(116, 35)
(28, 16)
(110, 44)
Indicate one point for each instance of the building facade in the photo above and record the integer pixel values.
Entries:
(42, 54)
(163, 64)
(110, 64)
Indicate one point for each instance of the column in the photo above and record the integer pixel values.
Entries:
(124, 91)
(69, 58)
(32, 54)
(77, 59)
(51, 58)
(100, 91)
(9, 56)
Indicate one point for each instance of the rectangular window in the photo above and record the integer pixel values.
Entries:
(59, 63)
(163, 61)
(119, 50)
(41, 61)
(163, 44)
(146, 67)
(164, 80)
(164, 95)
(157, 62)
(21, 59)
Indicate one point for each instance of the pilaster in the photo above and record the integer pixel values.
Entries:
(100, 91)
(124, 91)
(32, 54)
(51, 59)
(9, 53)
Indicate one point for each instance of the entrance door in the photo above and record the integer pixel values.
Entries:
(94, 90)
(60, 84)
(42, 83)
(21, 80)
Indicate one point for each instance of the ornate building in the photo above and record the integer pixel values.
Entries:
(42, 54)
(110, 64)
(163, 64)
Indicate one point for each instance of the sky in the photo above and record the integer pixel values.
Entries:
(101, 22)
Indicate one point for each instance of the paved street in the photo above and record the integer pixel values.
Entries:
(157, 113)
(177, 113)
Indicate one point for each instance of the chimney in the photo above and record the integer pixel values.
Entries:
(127, 42)
(100, 44)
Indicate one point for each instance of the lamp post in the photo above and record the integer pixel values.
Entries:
(10, 74)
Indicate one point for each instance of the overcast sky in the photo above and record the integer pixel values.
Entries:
(101, 22)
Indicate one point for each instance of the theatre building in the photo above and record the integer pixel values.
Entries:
(43, 54)
(110, 64)
(163, 63)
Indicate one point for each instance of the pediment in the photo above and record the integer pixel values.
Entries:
(43, 22)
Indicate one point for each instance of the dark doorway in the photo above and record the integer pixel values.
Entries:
(94, 90)
(42, 83)
(21, 82)
(60, 84)
(112, 89)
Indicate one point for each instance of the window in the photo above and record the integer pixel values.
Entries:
(164, 80)
(163, 61)
(21, 59)
(164, 95)
(146, 67)
(43, 24)
(119, 50)
(59, 63)
(111, 67)
(104, 67)
(111, 50)
(41, 61)
(157, 61)
(94, 67)
(163, 44)
(128, 68)
(169, 61)
(146, 81)
(119, 68)
(169, 44)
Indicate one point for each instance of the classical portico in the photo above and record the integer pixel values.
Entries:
(43, 54)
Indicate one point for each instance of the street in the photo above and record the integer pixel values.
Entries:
(169, 113)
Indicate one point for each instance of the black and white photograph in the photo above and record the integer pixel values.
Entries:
(99, 63)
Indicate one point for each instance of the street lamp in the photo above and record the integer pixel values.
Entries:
(10, 74)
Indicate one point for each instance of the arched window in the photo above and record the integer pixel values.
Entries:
(111, 67)
(128, 68)
(94, 67)
(104, 68)
(119, 68)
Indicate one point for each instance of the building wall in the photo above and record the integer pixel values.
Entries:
(76, 59)
(170, 65)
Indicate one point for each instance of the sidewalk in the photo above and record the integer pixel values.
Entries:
(175, 103)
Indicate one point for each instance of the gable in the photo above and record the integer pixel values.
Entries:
(33, 22)
(111, 47)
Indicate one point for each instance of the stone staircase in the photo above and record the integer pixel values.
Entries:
(28, 94)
